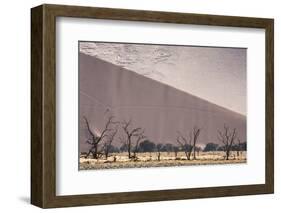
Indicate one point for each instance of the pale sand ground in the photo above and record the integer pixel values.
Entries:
(167, 159)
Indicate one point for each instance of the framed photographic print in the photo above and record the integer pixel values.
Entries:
(137, 106)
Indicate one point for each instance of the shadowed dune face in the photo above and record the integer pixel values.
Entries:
(107, 89)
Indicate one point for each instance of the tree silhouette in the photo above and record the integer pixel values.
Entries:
(130, 133)
(108, 144)
(211, 147)
(95, 139)
(139, 137)
(158, 148)
(188, 145)
(147, 146)
(227, 137)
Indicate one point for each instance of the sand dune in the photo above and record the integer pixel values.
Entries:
(158, 108)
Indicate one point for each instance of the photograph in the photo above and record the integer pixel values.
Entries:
(159, 105)
(149, 105)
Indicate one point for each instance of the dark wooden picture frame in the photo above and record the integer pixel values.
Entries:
(43, 105)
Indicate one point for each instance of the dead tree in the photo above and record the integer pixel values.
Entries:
(185, 144)
(108, 144)
(129, 136)
(195, 134)
(140, 138)
(188, 145)
(95, 139)
(158, 148)
(227, 137)
(238, 147)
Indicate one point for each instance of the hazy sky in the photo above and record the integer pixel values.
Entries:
(214, 74)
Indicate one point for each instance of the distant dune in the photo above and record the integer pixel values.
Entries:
(158, 108)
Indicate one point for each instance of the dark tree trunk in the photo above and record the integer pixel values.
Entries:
(188, 154)
(194, 155)
(227, 154)
(95, 152)
(129, 149)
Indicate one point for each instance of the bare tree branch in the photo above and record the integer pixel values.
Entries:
(188, 145)
(227, 138)
(88, 126)
(140, 137)
(130, 134)
(185, 144)
(108, 143)
(196, 132)
(95, 140)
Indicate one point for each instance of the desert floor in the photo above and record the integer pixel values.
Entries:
(166, 159)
